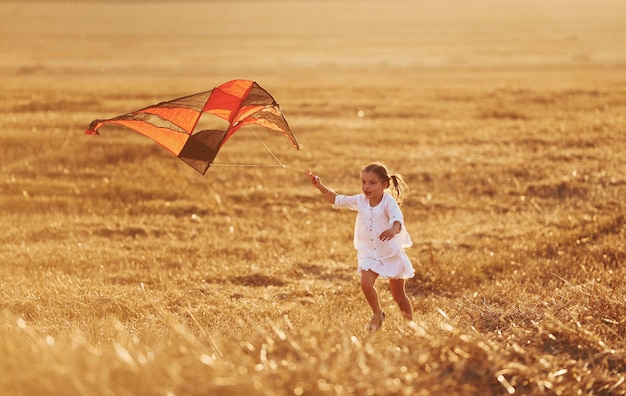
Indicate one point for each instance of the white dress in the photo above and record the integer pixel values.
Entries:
(386, 258)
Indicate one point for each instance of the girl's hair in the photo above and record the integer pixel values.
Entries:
(396, 183)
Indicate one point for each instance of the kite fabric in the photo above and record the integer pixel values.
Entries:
(171, 124)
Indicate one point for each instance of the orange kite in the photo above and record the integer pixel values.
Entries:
(172, 123)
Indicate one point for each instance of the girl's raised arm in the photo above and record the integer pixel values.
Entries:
(329, 195)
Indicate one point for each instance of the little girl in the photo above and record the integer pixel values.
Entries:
(379, 236)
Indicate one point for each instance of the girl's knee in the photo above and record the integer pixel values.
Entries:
(366, 284)
(397, 290)
(367, 280)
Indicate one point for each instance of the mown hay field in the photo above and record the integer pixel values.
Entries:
(125, 272)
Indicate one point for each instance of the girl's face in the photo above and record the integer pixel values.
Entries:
(373, 187)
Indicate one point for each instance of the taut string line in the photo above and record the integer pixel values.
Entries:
(278, 165)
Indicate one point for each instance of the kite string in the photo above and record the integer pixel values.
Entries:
(273, 155)
(258, 166)
(280, 164)
(266, 147)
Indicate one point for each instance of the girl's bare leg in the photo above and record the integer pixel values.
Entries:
(399, 295)
(367, 285)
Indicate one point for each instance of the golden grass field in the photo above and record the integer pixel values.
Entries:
(125, 272)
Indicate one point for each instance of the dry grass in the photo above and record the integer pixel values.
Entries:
(125, 272)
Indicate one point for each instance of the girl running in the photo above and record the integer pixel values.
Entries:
(380, 236)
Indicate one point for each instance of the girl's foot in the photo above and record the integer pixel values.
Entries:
(375, 322)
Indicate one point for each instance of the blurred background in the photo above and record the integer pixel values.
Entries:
(295, 40)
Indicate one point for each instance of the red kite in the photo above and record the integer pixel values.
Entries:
(172, 123)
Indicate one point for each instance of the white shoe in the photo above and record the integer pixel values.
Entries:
(375, 322)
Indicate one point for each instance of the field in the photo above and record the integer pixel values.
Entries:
(125, 272)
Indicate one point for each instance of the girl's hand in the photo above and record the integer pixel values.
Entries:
(315, 180)
(387, 234)
(328, 194)
(390, 233)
